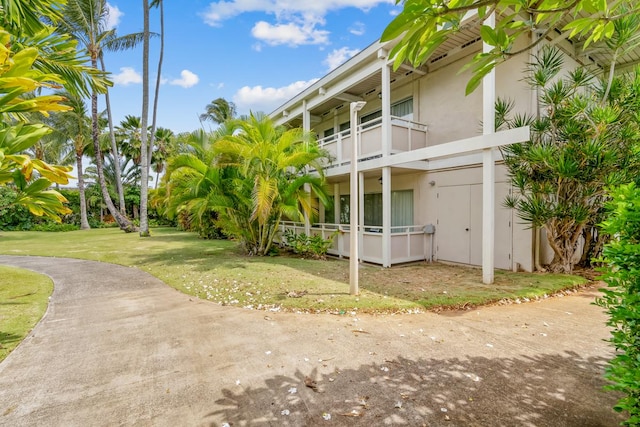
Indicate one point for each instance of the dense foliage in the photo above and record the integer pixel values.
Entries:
(244, 178)
(581, 142)
(622, 297)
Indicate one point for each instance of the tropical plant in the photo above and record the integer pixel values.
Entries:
(75, 126)
(129, 138)
(264, 176)
(145, 149)
(164, 147)
(19, 77)
(86, 22)
(219, 111)
(425, 25)
(314, 246)
(621, 298)
(581, 144)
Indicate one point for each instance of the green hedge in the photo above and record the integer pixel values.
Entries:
(622, 298)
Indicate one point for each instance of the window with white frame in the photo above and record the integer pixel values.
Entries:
(401, 209)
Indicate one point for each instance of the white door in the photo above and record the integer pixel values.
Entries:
(459, 225)
(452, 227)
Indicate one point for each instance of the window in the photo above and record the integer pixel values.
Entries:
(327, 132)
(401, 209)
(402, 109)
(329, 212)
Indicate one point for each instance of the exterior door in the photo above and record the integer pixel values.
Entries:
(452, 227)
(459, 225)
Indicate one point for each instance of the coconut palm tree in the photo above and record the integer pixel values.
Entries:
(164, 148)
(129, 138)
(74, 126)
(144, 151)
(219, 111)
(86, 22)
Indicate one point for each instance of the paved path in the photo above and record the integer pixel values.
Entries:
(119, 347)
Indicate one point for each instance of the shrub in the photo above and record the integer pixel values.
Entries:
(13, 217)
(314, 246)
(622, 297)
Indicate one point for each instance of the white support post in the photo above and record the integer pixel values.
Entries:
(387, 144)
(336, 216)
(386, 109)
(306, 126)
(386, 217)
(488, 169)
(361, 215)
(354, 288)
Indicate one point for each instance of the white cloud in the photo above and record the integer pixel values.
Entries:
(113, 16)
(338, 57)
(127, 76)
(297, 21)
(291, 34)
(224, 9)
(357, 29)
(266, 99)
(187, 79)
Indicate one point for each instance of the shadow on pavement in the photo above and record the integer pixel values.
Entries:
(549, 390)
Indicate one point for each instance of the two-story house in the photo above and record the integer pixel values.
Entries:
(417, 203)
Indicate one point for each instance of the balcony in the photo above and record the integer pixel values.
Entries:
(406, 135)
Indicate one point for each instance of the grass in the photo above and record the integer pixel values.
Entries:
(216, 271)
(23, 300)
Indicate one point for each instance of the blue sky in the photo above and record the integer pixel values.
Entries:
(256, 53)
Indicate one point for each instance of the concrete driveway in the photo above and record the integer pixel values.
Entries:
(119, 347)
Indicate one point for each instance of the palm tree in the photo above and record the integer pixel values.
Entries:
(219, 111)
(129, 138)
(74, 126)
(251, 173)
(164, 147)
(86, 20)
(159, 4)
(144, 151)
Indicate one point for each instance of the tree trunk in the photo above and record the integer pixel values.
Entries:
(144, 147)
(84, 222)
(122, 221)
(114, 149)
(157, 89)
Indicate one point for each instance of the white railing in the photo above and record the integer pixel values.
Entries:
(406, 135)
(408, 243)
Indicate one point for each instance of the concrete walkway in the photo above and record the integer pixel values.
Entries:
(119, 347)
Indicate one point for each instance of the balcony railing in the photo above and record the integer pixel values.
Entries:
(406, 135)
(408, 243)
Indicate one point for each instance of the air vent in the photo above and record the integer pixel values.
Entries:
(339, 106)
(438, 58)
(469, 43)
(408, 73)
(370, 92)
(392, 81)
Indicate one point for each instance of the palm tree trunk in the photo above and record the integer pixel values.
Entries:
(157, 90)
(122, 221)
(84, 222)
(144, 146)
(114, 149)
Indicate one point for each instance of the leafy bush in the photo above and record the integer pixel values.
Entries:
(13, 217)
(314, 246)
(622, 297)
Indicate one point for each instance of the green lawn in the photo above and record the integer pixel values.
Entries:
(23, 300)
(216, 271)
